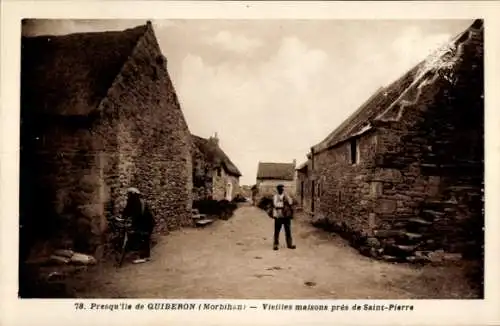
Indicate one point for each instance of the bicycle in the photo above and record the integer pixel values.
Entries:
(121, 230)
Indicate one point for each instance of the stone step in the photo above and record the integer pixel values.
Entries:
(420, 229)
(399, 251)
(428, 165)
(473, 188)
(420, 221)
(83, 259)
(199, 216)
(387, 233)
(440, 204)
(391, 259)
(60, 260)
(204, 222)
(64, 253)
(405, 248)
(412, 236)
(439, 255)
(433, 212)
(432, 215)
(418, 259)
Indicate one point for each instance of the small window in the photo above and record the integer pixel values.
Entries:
(155, 73)
(219, 172)
(354, 151)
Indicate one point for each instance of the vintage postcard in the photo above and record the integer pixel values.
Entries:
(277, 163)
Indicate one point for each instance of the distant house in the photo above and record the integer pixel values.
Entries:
(269, 175)
(99, 114)
(404, 174)
(214, 175)
(246, 191)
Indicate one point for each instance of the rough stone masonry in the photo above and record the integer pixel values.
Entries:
(95, 122)
(403, 177)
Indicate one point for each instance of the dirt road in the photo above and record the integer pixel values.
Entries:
(234, 260)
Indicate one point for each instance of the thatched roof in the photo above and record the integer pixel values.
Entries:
(381, 99)
(71, 74)
(384, 99)
(215, 155)
(276, 171)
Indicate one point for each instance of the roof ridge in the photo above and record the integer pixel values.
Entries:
(84, 33)
(359, 109)
(217, 152)
(350, 118)
(422, 79)
(415, 76)
(275, 170)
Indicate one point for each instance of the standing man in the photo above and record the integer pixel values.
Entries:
(142, 223)
(254, 190)
(283, 214)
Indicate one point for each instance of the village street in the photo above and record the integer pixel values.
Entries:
(234, 259)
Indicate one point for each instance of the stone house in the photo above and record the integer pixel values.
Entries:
(99, 114)
(303, 187)
(270, 175)
(404, 175)
(215, 176)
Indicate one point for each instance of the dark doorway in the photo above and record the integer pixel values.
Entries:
(354, 151)
(313, 185)
(302, 193)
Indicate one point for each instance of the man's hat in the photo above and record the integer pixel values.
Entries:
(280, 186)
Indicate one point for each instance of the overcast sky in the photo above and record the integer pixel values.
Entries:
(272, 89)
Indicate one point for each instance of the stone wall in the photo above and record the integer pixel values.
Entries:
(304, 187)
(75, 170)
(342, 190)
(207, 182)
(220, 185)
(202, 175)
(436, 152)
(63, 194)
(235, 182)
(153, 140)
(418, 185)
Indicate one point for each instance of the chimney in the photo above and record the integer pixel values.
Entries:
(294, 162)
(214, 139)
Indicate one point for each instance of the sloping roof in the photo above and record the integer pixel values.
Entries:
(71, 74)
(447, 63)
(214, 154)
(387, 97)
(303, 165)
(276, 171)
(382, 98)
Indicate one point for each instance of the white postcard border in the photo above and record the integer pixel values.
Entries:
(426, 312)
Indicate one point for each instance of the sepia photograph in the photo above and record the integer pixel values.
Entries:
(251, 159)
